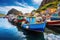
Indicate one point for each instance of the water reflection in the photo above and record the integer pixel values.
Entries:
(10, 32)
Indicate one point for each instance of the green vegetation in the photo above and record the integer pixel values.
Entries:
(2, 15)
(51, 4)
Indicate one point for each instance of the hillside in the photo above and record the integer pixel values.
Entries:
(48, 3)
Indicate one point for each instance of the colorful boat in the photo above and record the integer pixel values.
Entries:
(55, 20)
(54, 24)
(33, 26)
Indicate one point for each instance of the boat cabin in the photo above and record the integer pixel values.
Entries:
(31, 20)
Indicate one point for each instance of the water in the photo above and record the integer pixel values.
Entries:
(10, 32)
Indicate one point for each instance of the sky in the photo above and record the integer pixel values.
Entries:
(26, 6)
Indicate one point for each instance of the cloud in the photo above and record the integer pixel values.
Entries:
(25, 9)
(22, 4)
(25, 5)
(4, 9)
(37, 1)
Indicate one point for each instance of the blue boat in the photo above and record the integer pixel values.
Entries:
(33, 26)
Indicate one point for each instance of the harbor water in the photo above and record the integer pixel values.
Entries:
(10, 32)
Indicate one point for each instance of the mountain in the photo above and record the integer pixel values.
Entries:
(13, 11)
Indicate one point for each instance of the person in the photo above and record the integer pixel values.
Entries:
(39, 19)
(44, 17)
(19, 19)
(48, 17)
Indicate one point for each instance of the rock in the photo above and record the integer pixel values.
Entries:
(13, 14)
(14, 11)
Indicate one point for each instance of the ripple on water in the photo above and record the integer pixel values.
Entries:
(10, 32)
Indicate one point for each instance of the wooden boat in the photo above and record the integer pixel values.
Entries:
(54, 24)
(33, 26)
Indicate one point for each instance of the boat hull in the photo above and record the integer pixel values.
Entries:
(54, 26)
(54, 23)
(35, 27)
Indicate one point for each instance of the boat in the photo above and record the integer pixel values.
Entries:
(54, 24)
(54, 20)
(32, 26)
